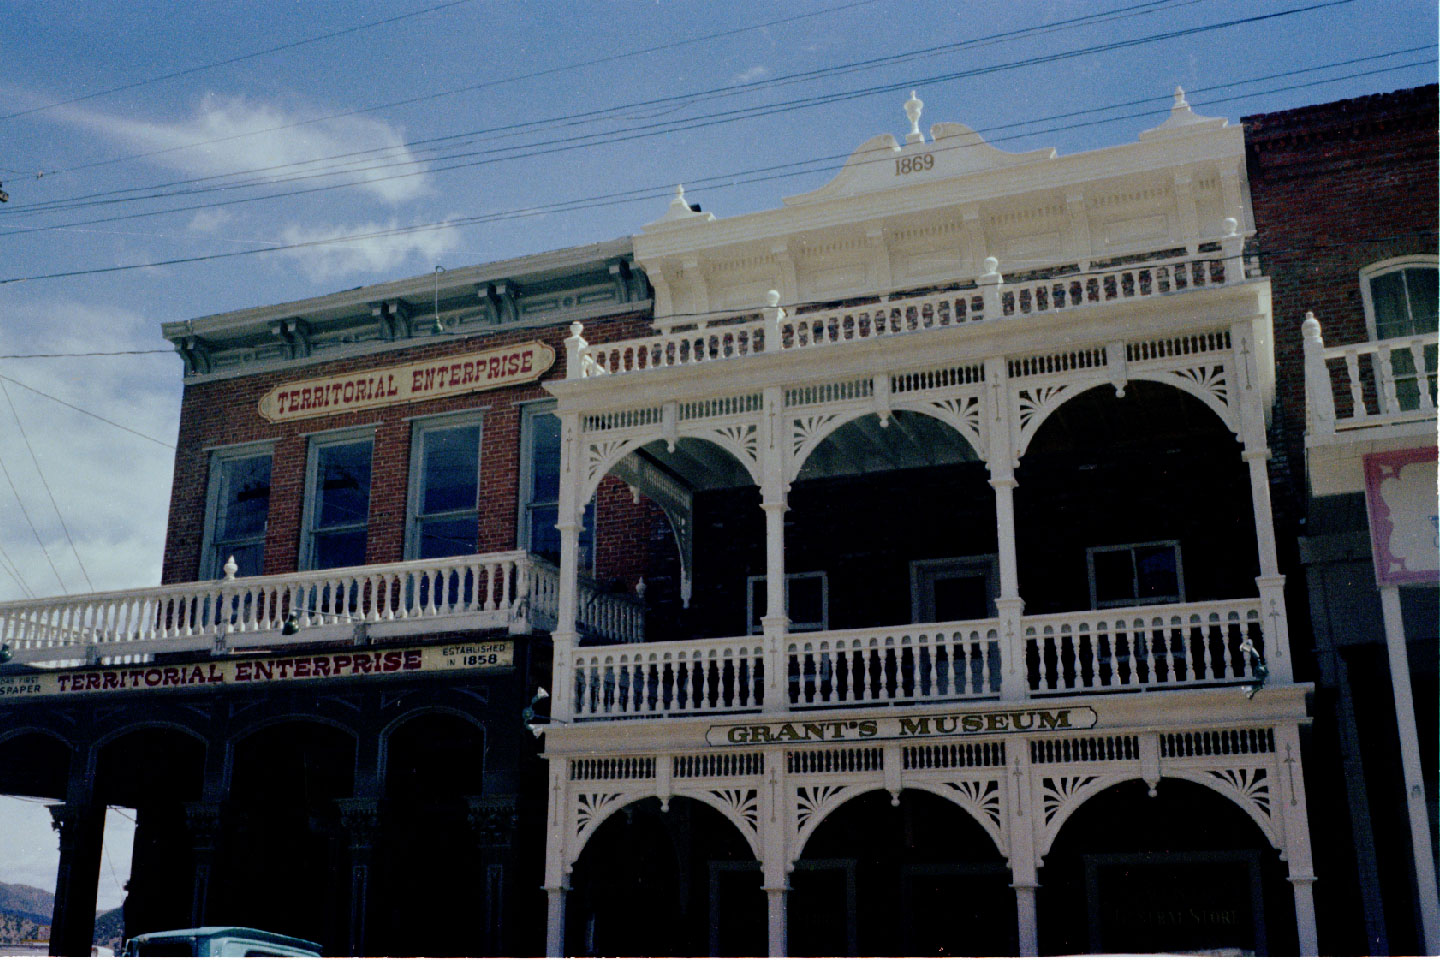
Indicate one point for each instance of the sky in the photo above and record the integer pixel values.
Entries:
(140, 132)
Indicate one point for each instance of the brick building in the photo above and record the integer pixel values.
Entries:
(1344, 196)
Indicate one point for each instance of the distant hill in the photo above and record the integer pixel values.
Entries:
(29, 903)
(25, 917)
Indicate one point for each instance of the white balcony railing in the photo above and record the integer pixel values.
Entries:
(986, 299)
(1371, 384)
(477, 592)
(1125, 650)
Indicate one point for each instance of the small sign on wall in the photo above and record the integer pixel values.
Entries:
(411, 383)
(1400, 493)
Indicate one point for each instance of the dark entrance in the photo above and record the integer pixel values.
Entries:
(920, 879)
(680, 883)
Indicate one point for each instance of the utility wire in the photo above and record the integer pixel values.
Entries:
(66, 403)
(470, 88)
(246, 56)
(653, 130)
(9, 567)
(31, 523)
(1149, 6)
(578, 118)
(623, 197)
(46, 484)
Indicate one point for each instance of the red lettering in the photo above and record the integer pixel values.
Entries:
(111, 681)
(429, 378)
(64, 682)
(284, 666)
(92, 681)
(153, 677)
(215, 675)
(264, 670)
(322, 666)
(469, 376)
(242, 672)
(512, 365)
(454, 374)
(196, 675)
(412, 660)
(172, 677)
(349, 395)
(362, 663)
(494, 367)
(394, 390)
(529, 356)
(302, 667)
(390, 661)
(342, 662)
(415, 381)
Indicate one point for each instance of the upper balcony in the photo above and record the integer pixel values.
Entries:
(513, 592)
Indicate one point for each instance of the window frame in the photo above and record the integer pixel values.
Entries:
(419, 427)
(1137, 600)
(530, 411)
(1373, 271)
(923, 575)
(211, 565)
(753, 626)
(314, 443)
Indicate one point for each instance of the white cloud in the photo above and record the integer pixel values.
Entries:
(30, 849)
(385, 253)
(208, 221)
(245, 140)
(754, 73)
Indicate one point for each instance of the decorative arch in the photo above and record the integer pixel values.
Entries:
(814, 802)
(243, 733)
(598, 457)
(105, 739)
(740, 439)
(807, 431)
(1059, 802)
(14, 732)
(982, 799)
(593, 807)
(395, 723)
(1207, 382)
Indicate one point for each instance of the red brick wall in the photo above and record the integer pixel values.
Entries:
(1334, 188)
(224, 412)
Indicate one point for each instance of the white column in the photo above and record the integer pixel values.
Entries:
(1024, 874)
(772, 501)
(1293, 813)
(1425, 882)
(777, 922)
(1001, 460)
(775, 831)
(565, 634)
(555, 921)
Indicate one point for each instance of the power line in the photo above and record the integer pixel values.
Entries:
(66, 403)
(46, 484)
(247, 56)
(10, 568)
(1148, 7)
(613, 199)
(31, 524)
(652, 130)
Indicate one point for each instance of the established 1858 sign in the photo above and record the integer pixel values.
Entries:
(257, 671)
(426, 380)
(962, 723)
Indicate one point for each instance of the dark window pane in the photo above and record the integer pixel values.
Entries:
(339, 549)
(343, 482)
(450, 465)
(1392, 309)
(807, 600)
(544, 538)
(1156, 569)
(449, 538)
(1114, 576)
(961, 597)
(244, 502)
(545, 457)
(1420, 284)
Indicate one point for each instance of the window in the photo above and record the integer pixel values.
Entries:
(807, 601)
(1401, 301)
(1135, 573)
(956, 588)
(444, 519)
(540, 489)
(236, 511)
(337, 502)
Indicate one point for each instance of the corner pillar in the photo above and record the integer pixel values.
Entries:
(80, 822)
(565, 636)
(772, 502)
(1297, 838)
(204, 822)
(1002, 463)
(360, 819)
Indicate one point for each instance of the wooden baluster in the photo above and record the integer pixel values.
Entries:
(1422, 376)
(1357, 389)
(1382, 361)
(1199, 638)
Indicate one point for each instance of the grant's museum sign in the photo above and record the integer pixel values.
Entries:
(1404, 526)
(960, 723)
(410, 383)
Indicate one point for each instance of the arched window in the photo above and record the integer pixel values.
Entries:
(1401, 301)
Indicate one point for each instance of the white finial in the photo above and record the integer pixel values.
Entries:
(1231, 225)
(640, 588)
(912, 110)
(992, 266)
(1310, 329)
(230, 567)
(772, 298)
(576, 328)
(1180, 97)
(679, 204)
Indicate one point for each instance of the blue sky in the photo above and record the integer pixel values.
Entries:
(642, 120)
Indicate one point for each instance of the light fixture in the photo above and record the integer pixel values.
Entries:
(5, 655)
(291, 625)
